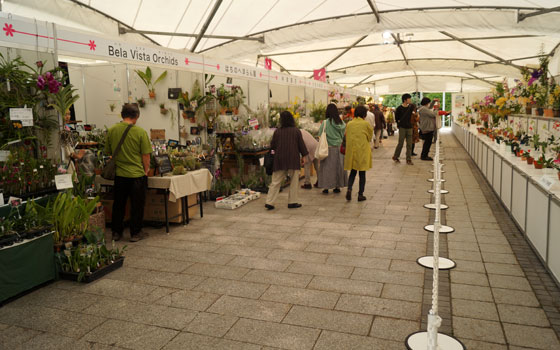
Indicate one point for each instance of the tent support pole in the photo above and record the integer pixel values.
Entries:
(523, 16)
(371, 4)
(206, 24)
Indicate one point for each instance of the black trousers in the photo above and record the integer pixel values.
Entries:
(135, 188)
(428, 137)
(352, 177)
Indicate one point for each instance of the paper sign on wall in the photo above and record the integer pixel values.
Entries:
(4, 155)
(253, 122)
(25, 115)
(1, 199)
(63, 181)
(546, 182)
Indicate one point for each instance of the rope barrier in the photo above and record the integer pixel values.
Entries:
(431, 339)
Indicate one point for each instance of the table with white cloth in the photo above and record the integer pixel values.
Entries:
(175, 187)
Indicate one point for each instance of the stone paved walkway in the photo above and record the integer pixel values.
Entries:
(331, 275)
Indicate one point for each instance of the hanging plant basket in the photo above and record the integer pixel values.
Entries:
(152, 94)
(163, 111)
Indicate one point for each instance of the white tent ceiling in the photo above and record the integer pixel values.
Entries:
(435, 45)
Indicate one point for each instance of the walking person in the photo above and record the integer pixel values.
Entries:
(427, 127)
(132, 166)
(358, 151)
(311, 144)
(331, 169)
(370, 118)
(287, 145)
(379, 125)
(403, 117)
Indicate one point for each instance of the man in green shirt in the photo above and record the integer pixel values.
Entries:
(132, 166)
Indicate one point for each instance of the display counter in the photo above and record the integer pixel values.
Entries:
(532, 196)
(175, 187)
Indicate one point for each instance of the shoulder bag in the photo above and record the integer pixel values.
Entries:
(322, 150)
(110, 169)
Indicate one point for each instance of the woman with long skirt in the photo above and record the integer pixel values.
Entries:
(331, 169)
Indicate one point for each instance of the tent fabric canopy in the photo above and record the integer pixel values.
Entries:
(386, 46)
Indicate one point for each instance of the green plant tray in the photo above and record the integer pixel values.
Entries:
(73, 276)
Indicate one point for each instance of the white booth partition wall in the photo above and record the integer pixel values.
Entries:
(279, 94)
(320, 96)
(297, 94)
(257, 95)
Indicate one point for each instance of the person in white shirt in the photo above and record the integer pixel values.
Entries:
(311, 143)
(370, 118)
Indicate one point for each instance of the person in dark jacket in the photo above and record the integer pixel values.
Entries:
(403, 116)
(287, 146)
(379, 125)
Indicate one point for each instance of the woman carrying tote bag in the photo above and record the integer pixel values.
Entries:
(331, 172)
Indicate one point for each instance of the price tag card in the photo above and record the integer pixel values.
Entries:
(547, 182)
(63, 181)
(24, 115)
(4, 155)
(253, 122)
(1, 198)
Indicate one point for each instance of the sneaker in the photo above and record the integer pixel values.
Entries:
(361, 198)
(413, 154)
(427, 158)
(117, 236)
(348, 195)
(138, 237)
(336, 190)
(294, 205)
(325, 191)
(396, 160)
(269, 207)
(306, 186)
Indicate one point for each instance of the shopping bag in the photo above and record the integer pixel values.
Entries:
(322, 150)
(269, 163)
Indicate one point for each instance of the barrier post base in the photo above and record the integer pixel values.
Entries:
(441, 191)
(443, 229)
(419, 341)
(428, 262)
(432, 206)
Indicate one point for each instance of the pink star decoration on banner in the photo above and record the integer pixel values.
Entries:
(187, 61)
(92, 45)
(218, 67)
(8, 28)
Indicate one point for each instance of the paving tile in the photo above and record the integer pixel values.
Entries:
(281, 278)
(400, 292)
(220, 271)
(192, 300)
(509, 282)
(489, 331)
(48, 320)
(244, 250)
(156, 278)
(234, 288)
(515, 297)
(406, 266)
(336, 341)
(379, 306)
(465, 255)
(393, 329)
(320, 269)
(359, 261)
(133, 311)
(280, 244)
(348, 286)
(51, 341)
(147, 263)
(273, 334)
(329, 319)
(477, 279)
(260, 263)
(13, 337)
(396, 277)
(475, 309)
(499, 258)
(334, 249)
(479, 345)
(51, 297)
(300, 296)
(211, 324)
(470, 292)
(131, 335)
(504, 269)
(523, 315)
(255, 309)
(533, 337)
(298, 256)
(469, 266)
(203, 342)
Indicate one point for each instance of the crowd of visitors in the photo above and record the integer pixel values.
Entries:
(350, 136)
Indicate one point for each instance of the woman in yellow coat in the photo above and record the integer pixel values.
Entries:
(358, 151)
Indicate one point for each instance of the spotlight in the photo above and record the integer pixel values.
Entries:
(387, 34)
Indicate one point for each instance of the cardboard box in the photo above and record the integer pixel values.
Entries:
(154, 210)
(107, 203)
(194, 211)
